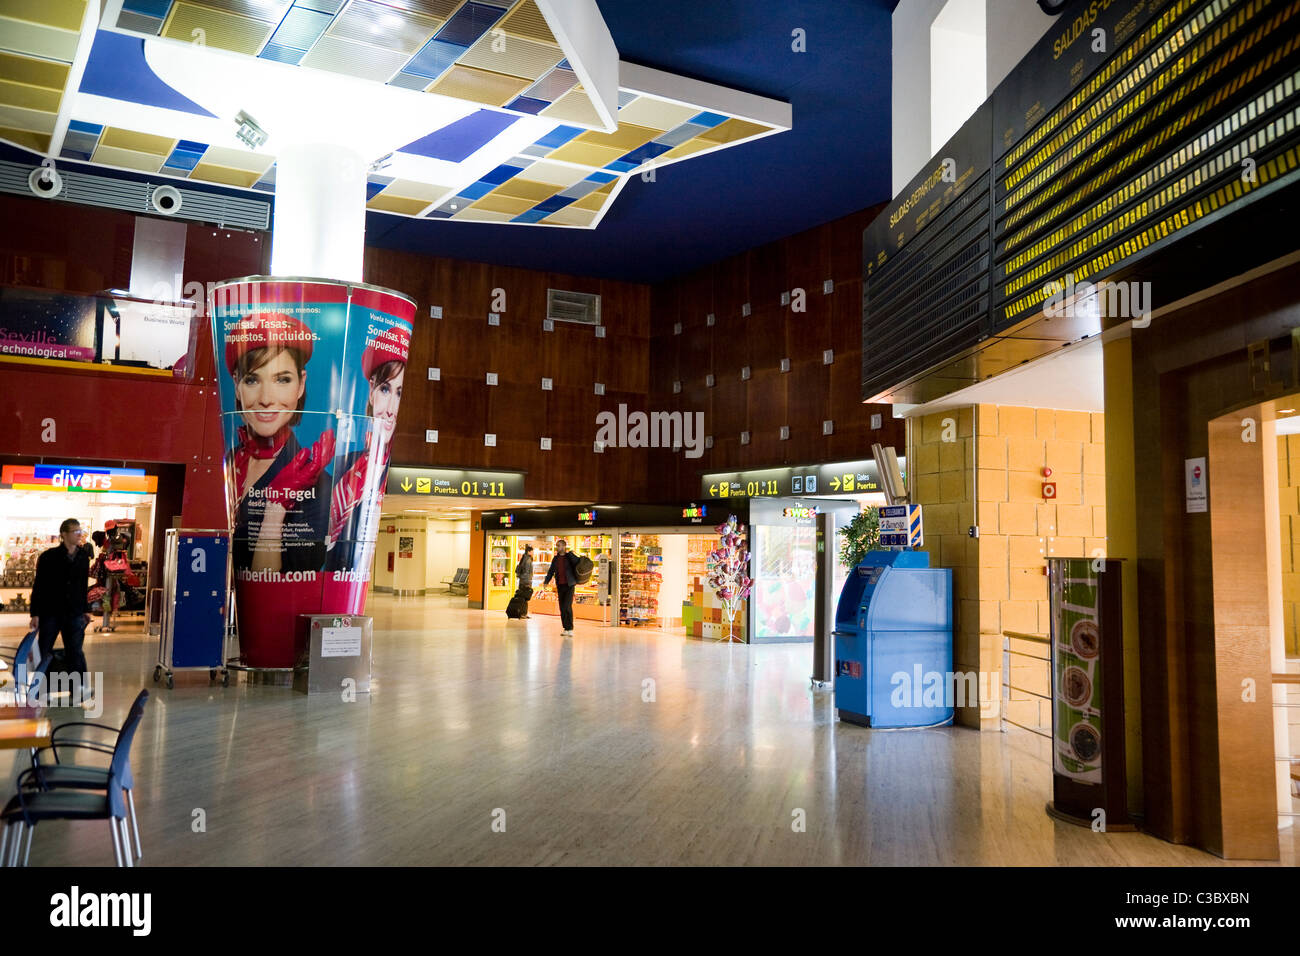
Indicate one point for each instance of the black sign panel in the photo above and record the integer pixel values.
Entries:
(455, 482)
(839, 478)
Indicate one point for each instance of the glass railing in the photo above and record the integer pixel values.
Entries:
(111, 330)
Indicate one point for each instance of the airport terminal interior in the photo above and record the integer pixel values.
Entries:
(847, 432)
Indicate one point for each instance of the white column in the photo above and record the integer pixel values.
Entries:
(319, 229)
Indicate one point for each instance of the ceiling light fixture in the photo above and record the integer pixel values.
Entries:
(249, 132)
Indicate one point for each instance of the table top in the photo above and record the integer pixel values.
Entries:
(17, 732)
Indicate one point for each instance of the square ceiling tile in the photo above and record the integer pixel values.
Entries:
(36, 142)
(511, 205)
(555, 173)
(364, 21)
(439, 9)
(140, 142)
(513, 56)
(301, 28)
(224, 175)
(733, 130)
(38, 40)
(553, 85)
(627, 136)
(127, 159)
(687, 148)
(259, 9)
(138, 24)
(572, 216)
(224, 31)
(29, 97)
(470, 22)
(353, 59)
(63, 14)
(574, 107)
(656, 114)
(475, 214)
(588, 155)
(520, 188)
(239, 159)
(479, 86)
(595, 200)
(37, 121)
(408, 207)
(410, 189)
(679, 135)
(527, 21)
(33, 72)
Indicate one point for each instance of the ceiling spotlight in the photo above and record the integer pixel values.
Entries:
(249, 132)
(383, 162)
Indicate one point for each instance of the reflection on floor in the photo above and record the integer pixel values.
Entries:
(617, 746)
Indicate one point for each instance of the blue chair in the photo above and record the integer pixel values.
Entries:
(68, 792)
(21, 667)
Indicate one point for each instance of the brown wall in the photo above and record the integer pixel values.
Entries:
(810, 393)
(1190, 367)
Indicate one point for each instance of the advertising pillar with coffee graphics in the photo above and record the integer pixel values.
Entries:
(310, 375)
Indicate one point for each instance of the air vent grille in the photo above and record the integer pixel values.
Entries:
(90, 189)
(580, 307)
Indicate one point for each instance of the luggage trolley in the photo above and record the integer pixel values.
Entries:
(195, 599)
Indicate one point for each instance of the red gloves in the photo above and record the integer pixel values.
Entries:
(301, 472)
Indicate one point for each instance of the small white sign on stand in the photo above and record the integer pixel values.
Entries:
(1197, 490)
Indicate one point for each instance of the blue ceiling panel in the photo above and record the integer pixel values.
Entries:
(117, 69)
(469, 23)
(462, 138)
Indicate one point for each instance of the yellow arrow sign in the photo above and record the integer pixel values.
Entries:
(713, 490)
(835, 484)
(406, 484)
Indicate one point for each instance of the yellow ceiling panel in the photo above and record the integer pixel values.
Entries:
(732, 130)
(512, 55)
(38, 121)
(38, 40)
(685, 149)
(562, 176)
(527, 21)
(226, 31)
(29, 97)
(594, 200)
(238, 159)
(479, 86)
(273, 10)
(569, 216)
(410, 189)
(32, 72)
(497, 202)
(627, 136)
(521, 188)
(37, 142)
(574, 107)
(441, 9)
(64, 14)
(593, 156)
(127, 158)
(224, 174)
(387, 203)
(137, 142)
(656, 114)
(483, 215)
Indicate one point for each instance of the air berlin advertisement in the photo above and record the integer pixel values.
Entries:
(311, 380)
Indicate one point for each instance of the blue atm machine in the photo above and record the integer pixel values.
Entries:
(893, 642)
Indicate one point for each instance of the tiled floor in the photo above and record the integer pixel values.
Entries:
(476, 721)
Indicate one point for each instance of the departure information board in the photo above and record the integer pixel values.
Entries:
(1131, 124)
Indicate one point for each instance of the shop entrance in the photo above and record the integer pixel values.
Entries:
(36, 498)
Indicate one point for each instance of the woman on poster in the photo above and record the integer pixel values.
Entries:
(359, 490)
(281, 489)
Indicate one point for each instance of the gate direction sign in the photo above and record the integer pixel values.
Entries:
(836, 478)
(455, 482)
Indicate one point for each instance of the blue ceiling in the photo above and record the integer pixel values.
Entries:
(835, 160)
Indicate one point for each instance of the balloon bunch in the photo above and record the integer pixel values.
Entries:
(728, 570)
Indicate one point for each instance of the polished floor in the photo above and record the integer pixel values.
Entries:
(495, 742)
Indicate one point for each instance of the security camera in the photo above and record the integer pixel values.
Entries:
(166, 200)
(45, 182)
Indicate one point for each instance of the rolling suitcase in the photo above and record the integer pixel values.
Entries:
(518, 605)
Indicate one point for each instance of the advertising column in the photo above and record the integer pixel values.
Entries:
(313, 374)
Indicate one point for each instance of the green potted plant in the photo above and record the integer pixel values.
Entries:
(860, 535)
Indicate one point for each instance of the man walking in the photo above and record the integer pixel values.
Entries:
(564, 568)
(59, 604)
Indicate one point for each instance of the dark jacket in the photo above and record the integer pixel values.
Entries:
(571, 572)
(524, 569)
(305, 524)
(59, 589)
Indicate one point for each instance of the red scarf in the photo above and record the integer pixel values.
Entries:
(255, 446)
(348, 490)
